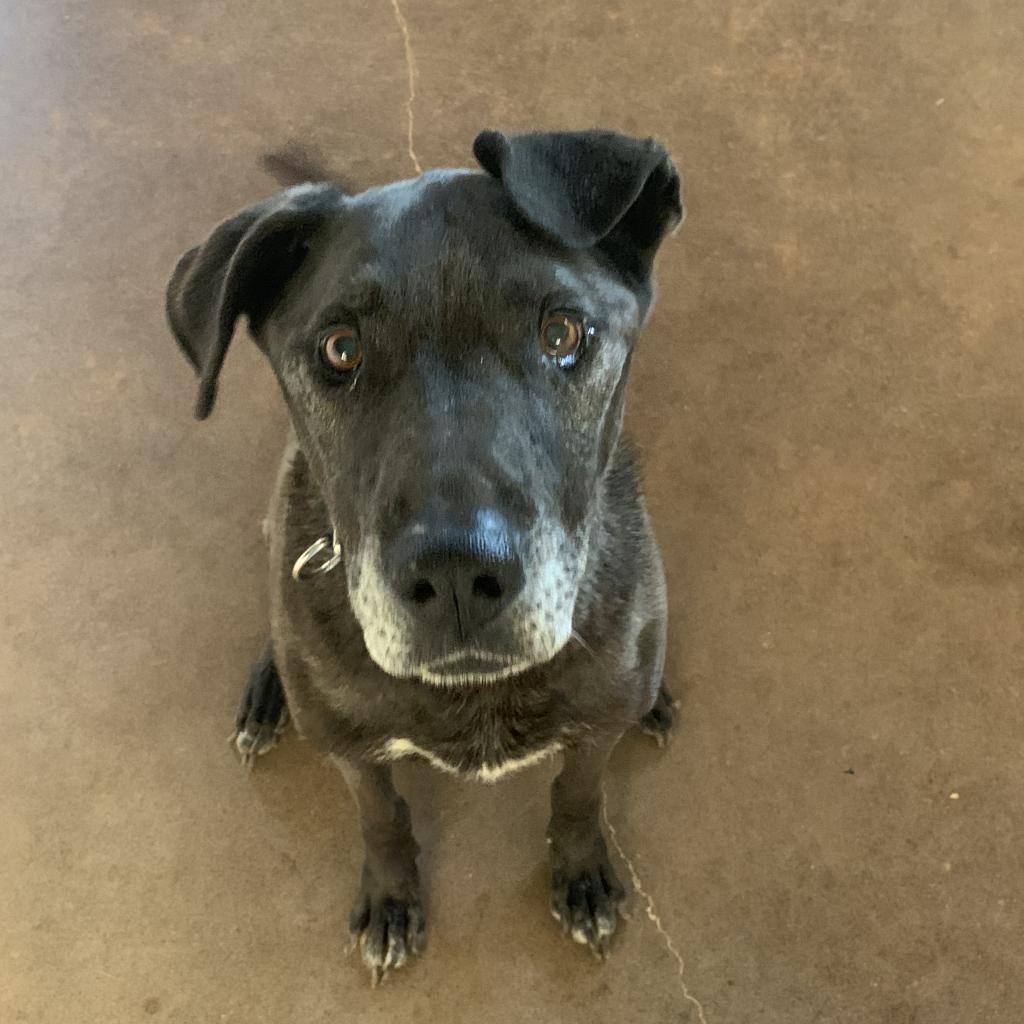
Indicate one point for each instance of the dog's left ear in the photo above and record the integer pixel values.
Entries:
(240, 270)
(589, 189)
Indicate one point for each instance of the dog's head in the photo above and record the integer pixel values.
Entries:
(453, 351)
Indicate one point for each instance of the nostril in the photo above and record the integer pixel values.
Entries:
(488, 587)
(423, 591)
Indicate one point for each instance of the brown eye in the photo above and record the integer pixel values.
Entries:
(340, 350)
(561, 335)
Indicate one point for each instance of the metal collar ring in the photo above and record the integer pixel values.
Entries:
(314, 562)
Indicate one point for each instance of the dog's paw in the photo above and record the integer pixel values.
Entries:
(262, 715)
(388, 930)
(587, 902)
(658, 722)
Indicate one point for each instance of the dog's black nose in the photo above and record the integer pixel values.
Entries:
(456, 576)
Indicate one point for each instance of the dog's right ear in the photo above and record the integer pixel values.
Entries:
(590, 189)
(241, 269)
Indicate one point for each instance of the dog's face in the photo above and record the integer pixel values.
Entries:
(459, 415)
(453, 351)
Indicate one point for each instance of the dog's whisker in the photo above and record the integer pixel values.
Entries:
(583, 643)
(593, 654)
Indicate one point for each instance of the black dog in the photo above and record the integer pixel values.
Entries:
(454, 352)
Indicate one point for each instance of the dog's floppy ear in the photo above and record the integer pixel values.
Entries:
(240, 270)
(586, 189)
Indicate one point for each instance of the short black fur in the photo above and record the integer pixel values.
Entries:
(500, 595)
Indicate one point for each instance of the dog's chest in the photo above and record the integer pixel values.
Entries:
(484, 769)
(480, 734)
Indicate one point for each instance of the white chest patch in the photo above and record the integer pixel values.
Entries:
(395, 750)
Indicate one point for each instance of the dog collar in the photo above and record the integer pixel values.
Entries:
(323, 555)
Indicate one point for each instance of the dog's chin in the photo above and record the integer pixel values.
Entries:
(471, 670)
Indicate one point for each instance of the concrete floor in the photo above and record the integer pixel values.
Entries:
(830, 402)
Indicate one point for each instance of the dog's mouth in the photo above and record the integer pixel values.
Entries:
(472, 667)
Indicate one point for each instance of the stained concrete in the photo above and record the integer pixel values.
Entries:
(829, 403)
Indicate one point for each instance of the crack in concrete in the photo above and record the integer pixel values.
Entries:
(652, 913)
(410, 67)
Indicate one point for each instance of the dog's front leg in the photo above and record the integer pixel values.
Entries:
(387, 919)
(586, 893)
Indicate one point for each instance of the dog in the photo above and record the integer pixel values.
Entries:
(462, 566)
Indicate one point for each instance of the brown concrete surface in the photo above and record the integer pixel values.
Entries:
(829, 400)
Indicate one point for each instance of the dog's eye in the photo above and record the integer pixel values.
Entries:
(340, 350)
(561, 336)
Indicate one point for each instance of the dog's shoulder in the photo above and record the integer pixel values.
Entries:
(624, 561)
